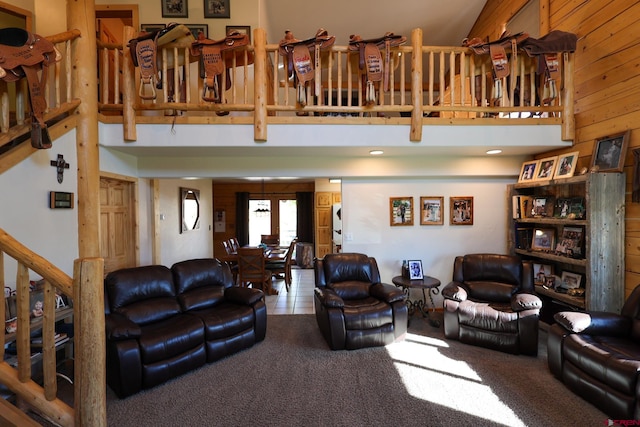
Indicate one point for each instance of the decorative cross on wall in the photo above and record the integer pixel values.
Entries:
(60, 166)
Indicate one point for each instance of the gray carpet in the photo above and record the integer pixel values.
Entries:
(292, 378)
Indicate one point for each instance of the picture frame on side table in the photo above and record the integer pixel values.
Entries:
(528, 171)
(401, 211)
(566, 165)
(544, 239)
(609, 153)
(415, 270)
(546, 168)
(175, 9)
(461, 210)
(217, 9)
(431, 208)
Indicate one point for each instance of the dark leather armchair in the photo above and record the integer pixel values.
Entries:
(597, 356)
(491, 302)
(353, 309)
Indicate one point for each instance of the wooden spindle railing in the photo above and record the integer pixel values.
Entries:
(428, 85)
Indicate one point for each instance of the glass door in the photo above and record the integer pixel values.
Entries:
(277, 215)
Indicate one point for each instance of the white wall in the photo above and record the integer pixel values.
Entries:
(365, 217)
(198, 243)
(25, 212)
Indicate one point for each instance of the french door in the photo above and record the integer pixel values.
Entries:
(274, 215)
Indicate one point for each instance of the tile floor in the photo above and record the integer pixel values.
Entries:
(299, 299)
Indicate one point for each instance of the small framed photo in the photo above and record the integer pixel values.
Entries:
(570, 242)
(216, 9)
(461, 210)
(197, 29)
(528, 171)
(570, 280)
(36, 303)
(566, 165)
(415, 270)
(242, 29)
(541, 272)
(151, 28)
(431, 210)
(609, 152)
(175, 9)
(544, 239)
(542, 207)
(546, 168)
(401, 210)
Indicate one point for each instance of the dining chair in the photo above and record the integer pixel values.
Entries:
(270, 239)
(284, 267)
(233, 242)
(252, 270)
(233, 264)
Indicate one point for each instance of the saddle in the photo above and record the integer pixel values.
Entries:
(298, 55)
(24, 54)
(216, 58)
(144, 49)
(371, 61)
(546, 50)
(498, 53)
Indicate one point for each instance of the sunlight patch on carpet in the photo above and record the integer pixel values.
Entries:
(430, 371)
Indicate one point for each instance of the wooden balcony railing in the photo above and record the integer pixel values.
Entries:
(428, 85)
(14, 105)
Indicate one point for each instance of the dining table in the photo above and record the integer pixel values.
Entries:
(272, 254)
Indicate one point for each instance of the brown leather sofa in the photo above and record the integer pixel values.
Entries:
(597, 356)
(353, 309)
(491, 303)
(162, 323)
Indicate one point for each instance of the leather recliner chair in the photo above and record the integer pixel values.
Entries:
(353, 309)
(597, 356)
(491, 303)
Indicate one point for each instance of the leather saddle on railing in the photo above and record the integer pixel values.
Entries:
(24, 54)
(498, 52)
(144, 53)
(371, 61)
(298, 54)
(217, 57)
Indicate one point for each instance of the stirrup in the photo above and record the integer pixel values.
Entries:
(496, 94)
(208, 90)
(370, 96)
(550, 91)
(147, 82)
(301, 94)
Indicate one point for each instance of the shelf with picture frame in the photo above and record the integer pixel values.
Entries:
(595, 228)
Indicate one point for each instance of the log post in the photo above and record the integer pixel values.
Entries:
(568, 118)
(89, 344)
(129, 88)
(416, 86)
(260, 85)
(90, 371)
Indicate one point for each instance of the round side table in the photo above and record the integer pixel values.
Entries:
(429, 286)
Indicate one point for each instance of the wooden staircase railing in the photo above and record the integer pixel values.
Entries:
(428, 85)
(43, 399)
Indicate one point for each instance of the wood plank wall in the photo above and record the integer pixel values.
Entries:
(224, 198)
(607, 82)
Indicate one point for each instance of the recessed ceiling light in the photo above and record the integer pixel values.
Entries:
(376, 152)
(496, 151)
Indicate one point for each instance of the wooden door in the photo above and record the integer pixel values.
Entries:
(117, 227)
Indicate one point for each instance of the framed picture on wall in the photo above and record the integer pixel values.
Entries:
(609, 152)
(401, 211)
(431, 210)
(461, 210)
(217, 9)
(175, 9)
(150, 28)
(197, 29)
(242, 29)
